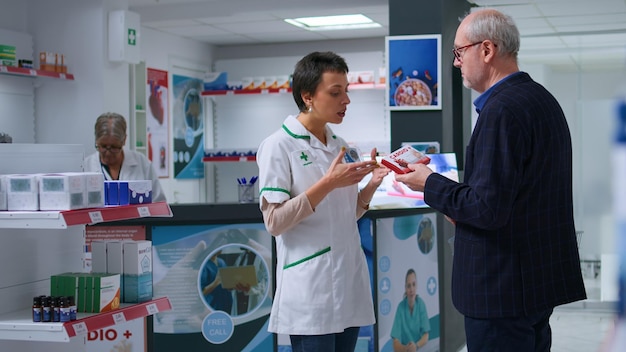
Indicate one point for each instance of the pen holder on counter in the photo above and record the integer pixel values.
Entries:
(246, 193)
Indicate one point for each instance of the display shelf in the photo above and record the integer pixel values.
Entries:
(63, 219)
(246, 91)
(355, 86)
(19, 325)
(229, 155)
(215, 159)
(31, 72)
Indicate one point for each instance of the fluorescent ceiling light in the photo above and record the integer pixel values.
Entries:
(327, 23)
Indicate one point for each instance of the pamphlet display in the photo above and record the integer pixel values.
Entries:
(392, 194)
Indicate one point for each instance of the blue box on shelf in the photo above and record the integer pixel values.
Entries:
(216, 81)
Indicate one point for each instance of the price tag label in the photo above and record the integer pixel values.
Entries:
(96, 216)
(282, 90)
(143, 211)
(4, 69)
(80, 328)
(152, 308)
(32, 72)
(62, 75)
(119, 318)
(265, 91)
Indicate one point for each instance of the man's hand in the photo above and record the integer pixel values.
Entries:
(415, 180)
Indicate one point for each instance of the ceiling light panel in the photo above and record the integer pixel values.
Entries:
(333, 22)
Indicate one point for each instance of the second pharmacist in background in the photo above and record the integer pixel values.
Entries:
(117, 163)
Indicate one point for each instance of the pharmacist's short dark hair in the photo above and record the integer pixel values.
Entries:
(111, 124)
(307, 74)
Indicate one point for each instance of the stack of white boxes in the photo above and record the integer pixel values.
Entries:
(55, 191)
(131, 259)
(22, 192)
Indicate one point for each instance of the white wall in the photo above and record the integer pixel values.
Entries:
(65, 111)
(589, 104)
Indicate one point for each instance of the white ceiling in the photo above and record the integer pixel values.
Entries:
(560, 33)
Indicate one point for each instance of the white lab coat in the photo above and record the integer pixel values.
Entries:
(325, 287)
(135, 167)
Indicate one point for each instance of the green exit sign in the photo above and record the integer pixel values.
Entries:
(132, 37)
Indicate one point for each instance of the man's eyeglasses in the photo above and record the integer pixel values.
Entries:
(458, 51)
(110, 149)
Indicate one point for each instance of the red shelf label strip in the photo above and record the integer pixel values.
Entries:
(123, 212)
(118, 316)
(229, 158)
(36, 73)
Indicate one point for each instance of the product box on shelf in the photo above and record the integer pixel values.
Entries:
(234, 85)
(128, 192)
(106, 292)
(3, 192)
(271, 82)
(24, 63)
(360, 77)
(7, 55)
(400, 158)
(61, 64)
(61, 191)
(115, 262)
(67, 285)
(98, 256)
(84, 296)
(283, 82)
(94, 189)
(140, 191)
(116, 193)
(93, 292)
(216, 81)
(22, 192)
(247, 83)
(47, 61)
(137, 271)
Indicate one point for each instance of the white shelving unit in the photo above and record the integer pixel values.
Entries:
(242, 118)
(18, 325)
(35, 245)
(31, 72)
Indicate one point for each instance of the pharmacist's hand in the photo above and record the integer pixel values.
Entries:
(180, 285)
(379, 173)
(342, 174)
(415, 180)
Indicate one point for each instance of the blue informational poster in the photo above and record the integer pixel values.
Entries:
(407, 283)
(188, 127)
(218, 280)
